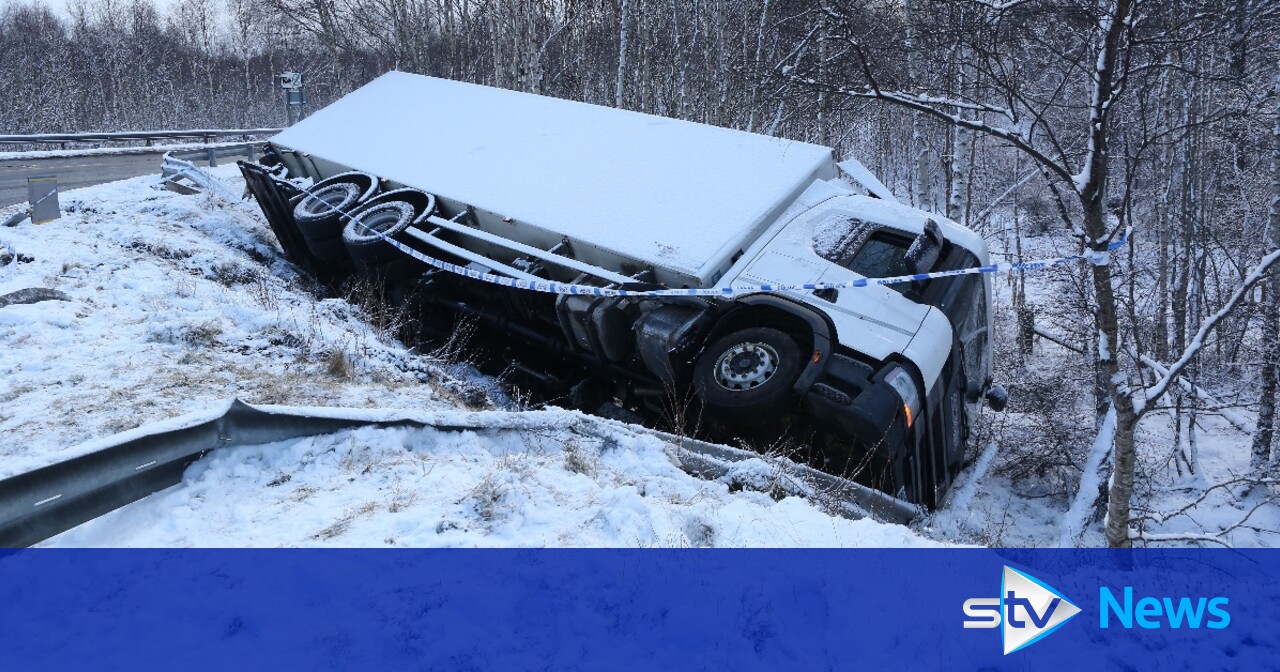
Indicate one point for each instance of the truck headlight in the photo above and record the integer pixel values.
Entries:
(901, 382)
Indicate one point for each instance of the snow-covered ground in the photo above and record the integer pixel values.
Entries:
(422, 487)
(178, 303)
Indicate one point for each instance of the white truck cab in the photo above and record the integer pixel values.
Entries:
(837, 236)
(431, 186)
(846, 237)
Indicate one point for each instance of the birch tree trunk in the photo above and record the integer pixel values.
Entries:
(917, 164)
(1093, 192)
(1262, 458)
(961, 139)
(622, 54)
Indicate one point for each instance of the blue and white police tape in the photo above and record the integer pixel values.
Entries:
(1096, 257)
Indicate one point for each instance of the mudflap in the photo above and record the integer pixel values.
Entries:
(274, 196)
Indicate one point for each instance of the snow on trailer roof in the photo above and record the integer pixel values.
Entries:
(669, 192)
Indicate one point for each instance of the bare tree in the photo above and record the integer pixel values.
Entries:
(1263, 456)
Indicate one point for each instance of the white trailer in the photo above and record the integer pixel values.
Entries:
(884, 379)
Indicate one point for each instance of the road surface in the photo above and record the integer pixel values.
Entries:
(73, 172)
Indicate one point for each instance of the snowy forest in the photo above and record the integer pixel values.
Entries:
(1142, 387)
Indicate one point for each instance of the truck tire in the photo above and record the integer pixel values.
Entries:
(748, 375)
(369, 251)
(319, 216)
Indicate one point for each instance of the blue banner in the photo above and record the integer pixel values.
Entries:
(639, 609)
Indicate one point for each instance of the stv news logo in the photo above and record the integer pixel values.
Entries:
(1026, 611)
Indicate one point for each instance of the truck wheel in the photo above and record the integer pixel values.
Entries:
(320, 215)
(326, 202)
(368, 249)
(748, 374)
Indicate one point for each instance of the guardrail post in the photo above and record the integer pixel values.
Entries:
(213, 157)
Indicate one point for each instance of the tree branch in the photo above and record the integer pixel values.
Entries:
(1162, 386)
(926, 106)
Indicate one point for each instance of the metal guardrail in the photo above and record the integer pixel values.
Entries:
(40, 504)
(246, 150)
(206, 135)
(174, 170)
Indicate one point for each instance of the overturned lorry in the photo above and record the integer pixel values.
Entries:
(648, 256)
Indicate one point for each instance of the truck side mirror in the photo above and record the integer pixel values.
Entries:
(923, 254)
(997, 397)
(973, 391)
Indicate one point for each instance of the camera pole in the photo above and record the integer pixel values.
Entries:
(295, 96)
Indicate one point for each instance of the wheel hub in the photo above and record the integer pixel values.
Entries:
(379, 222)
(746, 366)
(329, 201)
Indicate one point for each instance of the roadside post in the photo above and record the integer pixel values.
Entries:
(295, 96)
(42, 193)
